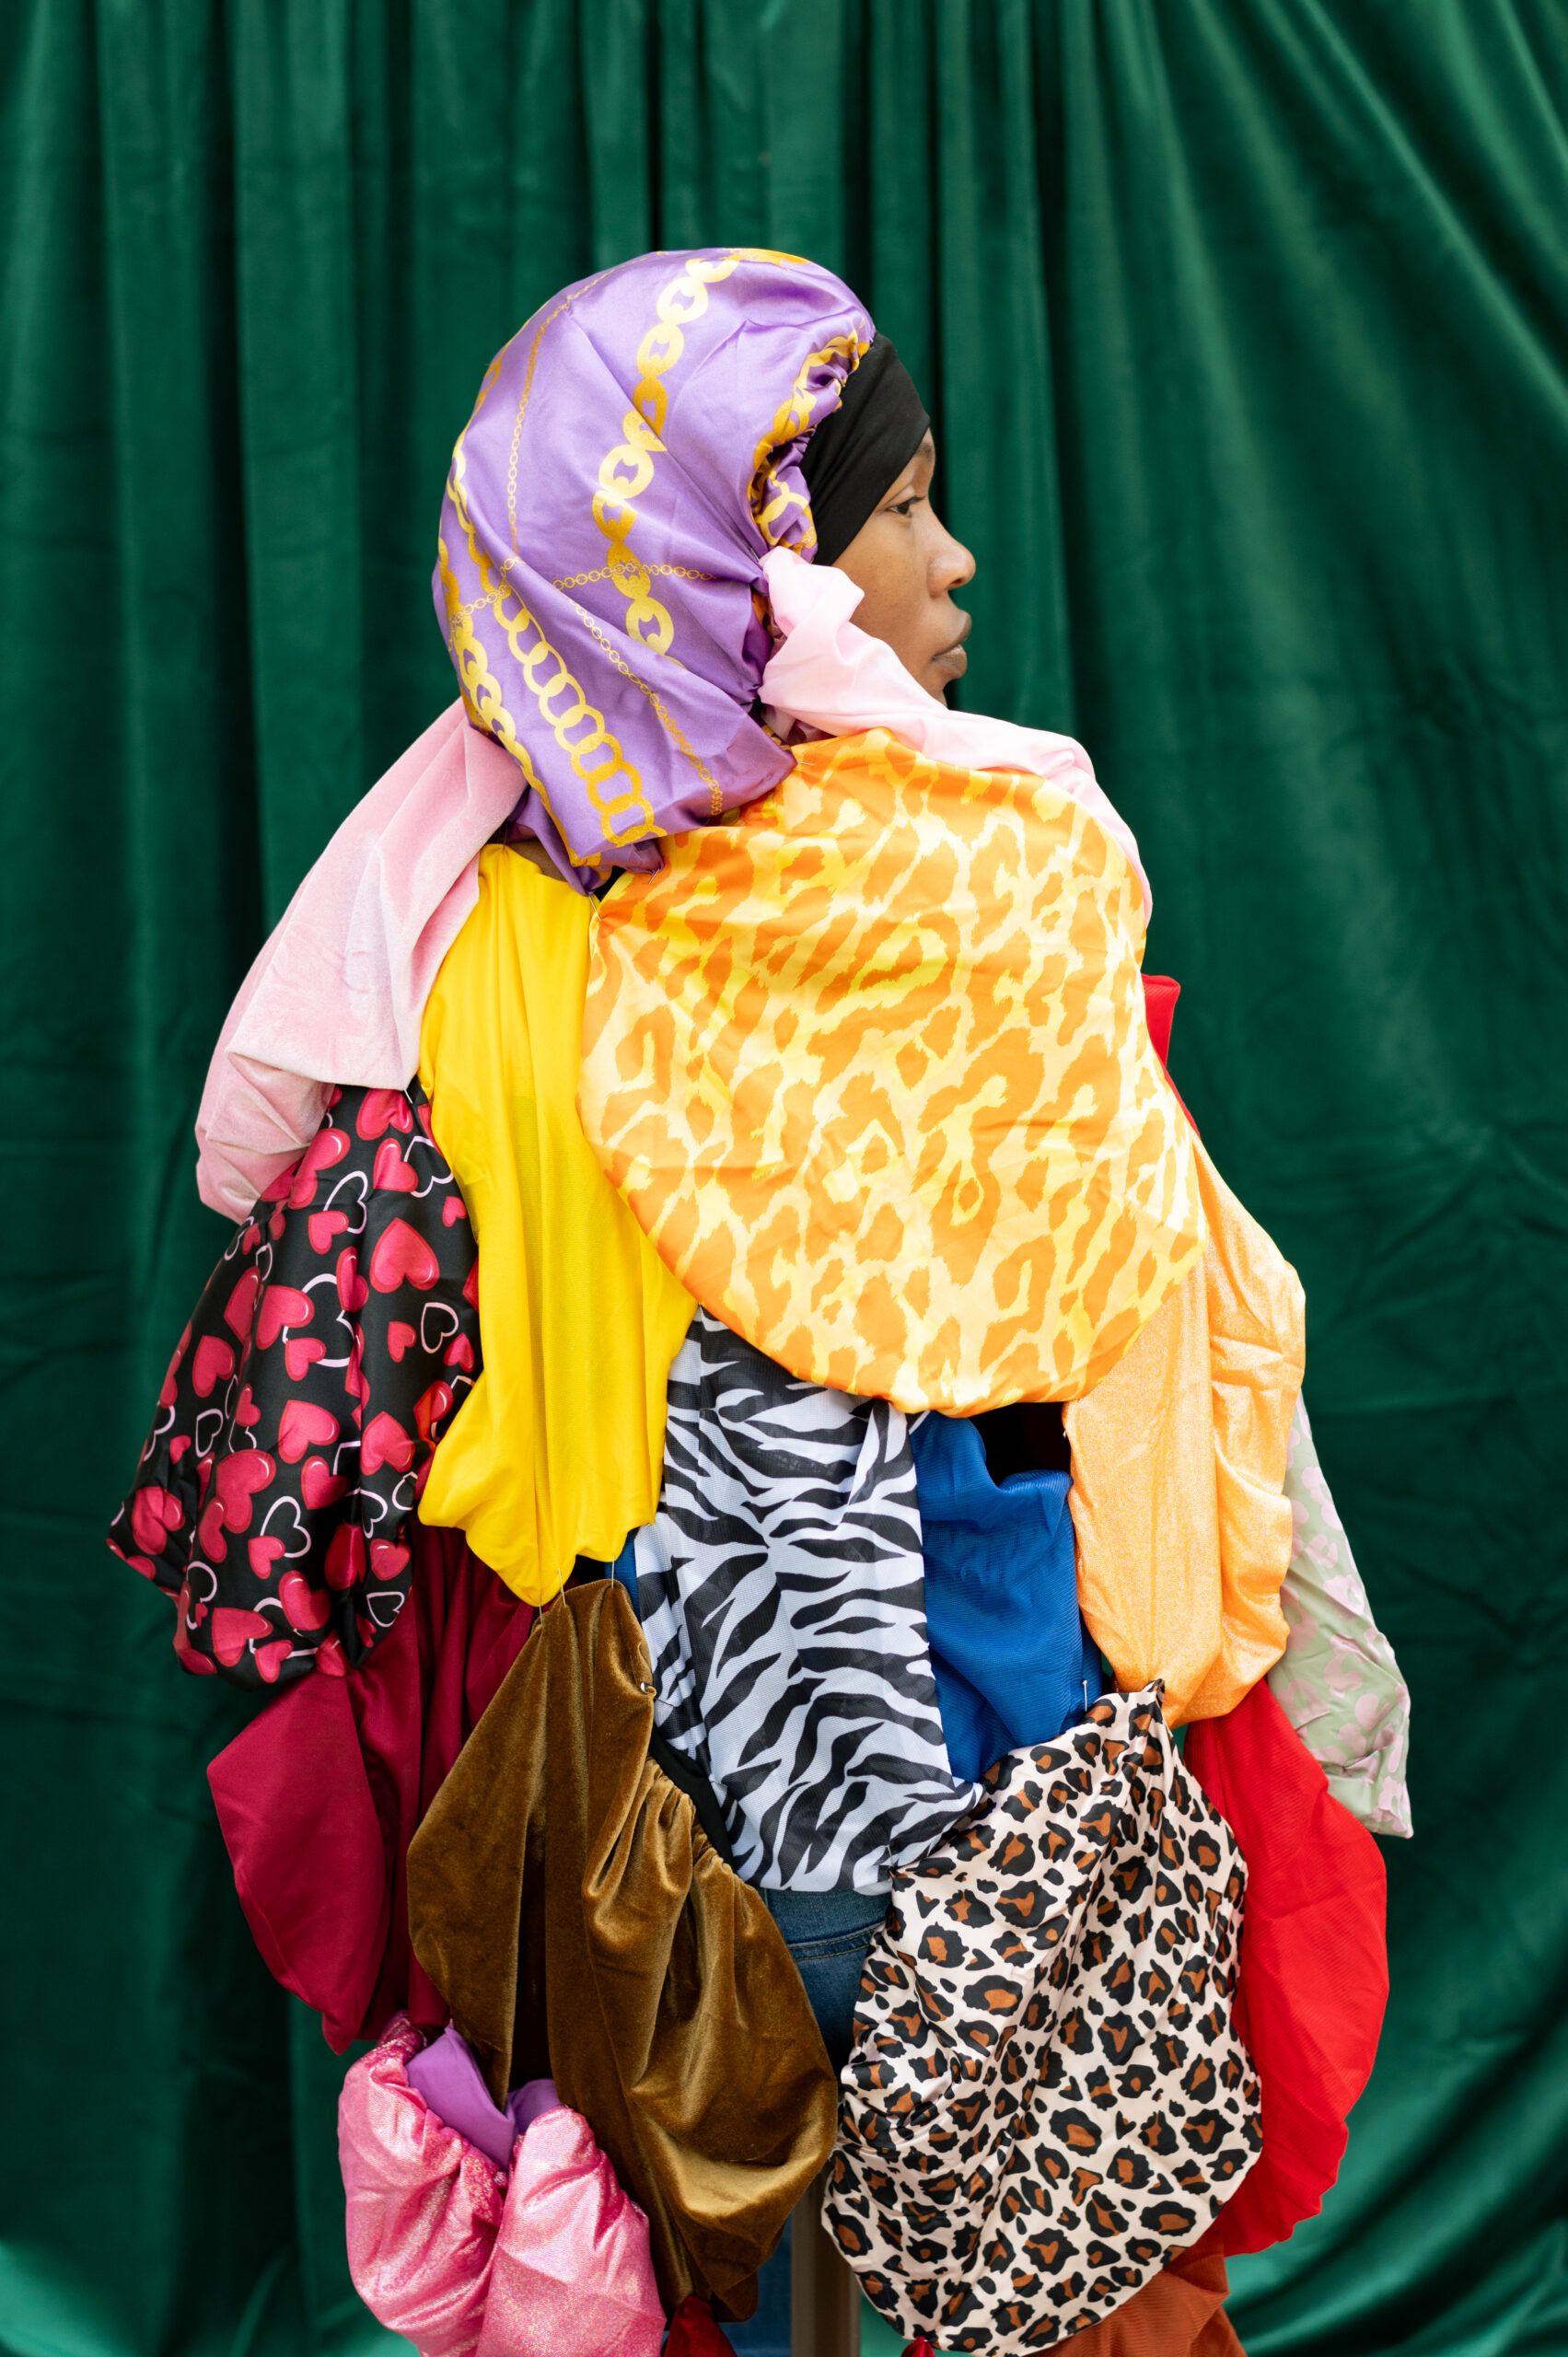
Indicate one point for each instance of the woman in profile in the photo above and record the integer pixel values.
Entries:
(705, 1176)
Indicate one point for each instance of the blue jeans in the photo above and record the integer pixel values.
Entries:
(827, 1932)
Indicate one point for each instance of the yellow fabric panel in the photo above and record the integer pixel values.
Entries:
(558, 1449)
(1179, 1463)
(870, 1064)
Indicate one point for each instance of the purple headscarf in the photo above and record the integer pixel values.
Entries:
(631, 459)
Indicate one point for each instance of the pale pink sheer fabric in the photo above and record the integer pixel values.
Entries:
(337, 993)
(552, 2260)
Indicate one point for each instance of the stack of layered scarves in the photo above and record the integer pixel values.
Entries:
(605, 1452)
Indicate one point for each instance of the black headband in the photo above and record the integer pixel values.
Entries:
(856, 456)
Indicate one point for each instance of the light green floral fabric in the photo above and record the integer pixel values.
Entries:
(1337, 1682)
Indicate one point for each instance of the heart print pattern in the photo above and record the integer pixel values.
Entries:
(335, 1341)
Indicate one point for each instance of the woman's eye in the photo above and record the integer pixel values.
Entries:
(905, 506)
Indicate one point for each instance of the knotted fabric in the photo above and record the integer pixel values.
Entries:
(546, 2258)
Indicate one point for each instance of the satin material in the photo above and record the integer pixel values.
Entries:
(634, 454)
(549, 2259)
(1048, 2097)
(564, 1899)
(571, 2275)
(558, 1449)
(1009, 1653)
(446, 2074)
(1314, 1977)
(1179, 1464)
(1338, 1681)
(870, 1064)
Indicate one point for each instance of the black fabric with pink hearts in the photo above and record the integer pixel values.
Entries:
(335, 1341)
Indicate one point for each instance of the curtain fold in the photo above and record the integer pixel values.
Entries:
(1245, 328)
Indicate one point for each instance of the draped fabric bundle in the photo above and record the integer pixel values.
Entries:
(294, 1432)
(321, 1795)
(634, 1231)
(780, 1592)
(1179, 1464)
(542, 2257)
(1314, 1967)
(1337, 1679)
(642, 437)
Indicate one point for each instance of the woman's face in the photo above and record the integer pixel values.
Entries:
(909, 565)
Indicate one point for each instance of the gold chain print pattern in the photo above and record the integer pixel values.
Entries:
(626, 816)
(627, 469)
(869, 1063)
(772, 499)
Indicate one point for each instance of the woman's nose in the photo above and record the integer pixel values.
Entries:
(952, 564)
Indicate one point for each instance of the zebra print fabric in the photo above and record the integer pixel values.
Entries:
(782, 1594)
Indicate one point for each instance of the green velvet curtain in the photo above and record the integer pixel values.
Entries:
(1246, 328)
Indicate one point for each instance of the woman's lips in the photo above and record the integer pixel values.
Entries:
(951, 660)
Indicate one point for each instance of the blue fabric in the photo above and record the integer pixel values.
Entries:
(1014, 1663)
(828, 1933)
(624, 1569)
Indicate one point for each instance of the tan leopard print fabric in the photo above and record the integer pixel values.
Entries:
(869, 1064)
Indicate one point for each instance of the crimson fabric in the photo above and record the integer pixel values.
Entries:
(693, 2332)
(1160, 994)
(1314, 1963)
(321, 1794)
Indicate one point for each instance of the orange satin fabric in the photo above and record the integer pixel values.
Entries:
(869, 1063)
(1179, 1462)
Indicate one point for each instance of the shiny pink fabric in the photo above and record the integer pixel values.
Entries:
(424, 2207)
(337, 993)
(572, 2275)
(552, 2261)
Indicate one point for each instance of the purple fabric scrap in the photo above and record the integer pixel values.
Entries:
(446, 2074)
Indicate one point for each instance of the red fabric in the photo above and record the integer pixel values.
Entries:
(321, 1795)
(693, 2333)
(1160, 994)
(1314, 1972)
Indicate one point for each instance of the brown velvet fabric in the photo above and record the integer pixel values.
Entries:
(1178, 2313)
(566, 1903)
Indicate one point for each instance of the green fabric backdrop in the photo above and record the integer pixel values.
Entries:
(1246, 328)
